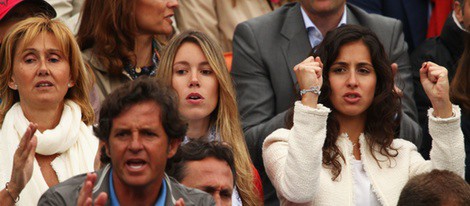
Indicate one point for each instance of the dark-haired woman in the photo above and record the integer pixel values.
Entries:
(341, 149)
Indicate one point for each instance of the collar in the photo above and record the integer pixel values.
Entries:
(315, 36)
(458, 23)
(115, 202)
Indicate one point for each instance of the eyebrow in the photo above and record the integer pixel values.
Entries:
(187, 63)
(48, 50)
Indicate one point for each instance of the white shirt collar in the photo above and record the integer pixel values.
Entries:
(316, 37)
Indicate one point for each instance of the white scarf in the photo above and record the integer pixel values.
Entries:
(71, 138)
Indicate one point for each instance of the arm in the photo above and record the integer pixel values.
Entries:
(68, 11)
(293, 158)
(255, 95)
(398, 54)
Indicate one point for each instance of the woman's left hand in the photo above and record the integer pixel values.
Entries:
(436, 85)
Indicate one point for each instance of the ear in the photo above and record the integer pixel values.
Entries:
(12, 84)
(458, 11)
(106, 148)
(71, 84)
(173, 146)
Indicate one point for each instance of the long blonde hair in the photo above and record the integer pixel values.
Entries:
(27, 31)
(225, 117)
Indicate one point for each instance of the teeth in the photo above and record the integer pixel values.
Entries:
(44, 85)
(136, 165)
(352, 96)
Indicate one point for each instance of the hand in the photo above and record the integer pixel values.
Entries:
(395, 72)
(23, 161)
(309, 74)
(85, 195)
(436, 85)
(180, 202)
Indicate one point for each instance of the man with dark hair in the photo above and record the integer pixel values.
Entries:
(208, 166)
(141, 128)
(13, 11)
(438, 187)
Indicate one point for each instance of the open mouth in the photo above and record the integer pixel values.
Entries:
(43, 84)
(135, 164)
(194, 96)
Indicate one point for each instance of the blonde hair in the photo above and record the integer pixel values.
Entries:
(27, 31)
(225, 117)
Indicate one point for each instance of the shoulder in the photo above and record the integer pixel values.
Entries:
(270, 21)
(374, 22)
(191, 196)
(65, 193)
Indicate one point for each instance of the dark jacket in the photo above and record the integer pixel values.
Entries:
(444, 50)
(66, 193)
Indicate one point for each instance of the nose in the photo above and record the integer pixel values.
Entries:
(352, 80)
(173, 4)
(43, 70)
(194, 81)
(136, 144)
(217, 199)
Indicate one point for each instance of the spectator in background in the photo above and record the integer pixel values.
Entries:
(460, 94)
(118, 39)
(436, 188)
(194, 66)
(444, 50)
(68, 11)
(268, 47)
(412, 13)
(45, 115)
(219, 18)
(141, 127)
(13, 11)
(341, 148)
(208, 166)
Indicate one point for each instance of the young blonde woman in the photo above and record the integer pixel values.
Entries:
(194, 65)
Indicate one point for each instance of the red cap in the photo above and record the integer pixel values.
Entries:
(7, 5)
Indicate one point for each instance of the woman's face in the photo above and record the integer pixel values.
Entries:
(154, 16)
(352, 79)
(41, 72)
(195, 82)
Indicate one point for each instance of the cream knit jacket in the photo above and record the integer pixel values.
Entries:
(293, 160)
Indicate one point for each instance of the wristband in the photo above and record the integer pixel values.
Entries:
(9, 193)
(314, 89)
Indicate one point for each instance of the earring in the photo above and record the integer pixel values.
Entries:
(15, 87)
(69, 85)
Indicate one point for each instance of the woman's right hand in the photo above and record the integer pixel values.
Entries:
(309, 74)
(23, 160)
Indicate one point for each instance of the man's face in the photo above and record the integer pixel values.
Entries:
(462, 12)
(213, 176)
(323, 7)
(138, 147)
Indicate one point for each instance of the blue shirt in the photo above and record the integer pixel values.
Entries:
(314, 34)
(114, 201)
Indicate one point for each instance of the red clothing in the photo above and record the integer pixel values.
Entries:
(440, 12)
(257, 182)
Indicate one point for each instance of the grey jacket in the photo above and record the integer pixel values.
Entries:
(66, 193)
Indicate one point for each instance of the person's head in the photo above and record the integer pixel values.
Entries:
(460, 85)
(194, 65)
(462, 12)
(141, 128)
(111, 27)
(13, 11)
(358, 83)
(323, 8)
(436, 188)
(42, 66)
(208, 166)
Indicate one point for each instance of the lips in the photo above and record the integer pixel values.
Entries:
(135, 164)
(194, 98)
(42, 84)
(352, 97)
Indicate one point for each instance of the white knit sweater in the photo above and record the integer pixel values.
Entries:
(293, 160)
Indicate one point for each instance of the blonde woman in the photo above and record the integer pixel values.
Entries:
(45, 114)
(194, 65)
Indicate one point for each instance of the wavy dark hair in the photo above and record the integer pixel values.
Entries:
(460, 85)
(383, 115)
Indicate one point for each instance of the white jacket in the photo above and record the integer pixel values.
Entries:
(293, 160)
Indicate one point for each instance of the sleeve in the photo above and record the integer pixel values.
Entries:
(448, 150)
(198, 15)
(409, 126)
(293, 158)
(51, 198)
(68, 11)
(255, 95)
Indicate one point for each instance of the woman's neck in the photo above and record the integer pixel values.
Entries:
(353, 126)
(198, 128)
(46, 118)
(143, 50)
